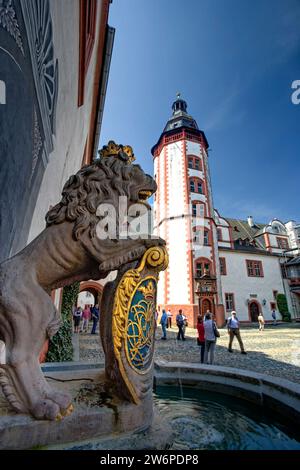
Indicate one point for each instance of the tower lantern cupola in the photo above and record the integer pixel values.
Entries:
(179, 105)
(180, 117)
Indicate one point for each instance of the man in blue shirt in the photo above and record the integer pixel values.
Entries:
(274, 316)
(164, 322)
(180, 324)
(233, 328)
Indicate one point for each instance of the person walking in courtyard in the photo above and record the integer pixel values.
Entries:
(169, 314)
(261, 322)
(185, 324)
(77, 317)
(201, 337)
(210, 333)
(164, 322)
(180, 323)
(95, 317)
(274, 316)
(233, 327)
(86, 316)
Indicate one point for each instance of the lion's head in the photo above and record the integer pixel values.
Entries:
(104, 181)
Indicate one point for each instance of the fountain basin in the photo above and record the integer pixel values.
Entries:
(279, 395)
(99, 422)
(203, 420)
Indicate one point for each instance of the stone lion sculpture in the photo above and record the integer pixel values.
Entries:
(67, 250)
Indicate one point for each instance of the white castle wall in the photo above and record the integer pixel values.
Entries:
(241, 285)
(170, 202)
(178, 268)
(160, 214)
(196, 173)
(193, 148)
(177, 236)
(198, 197)
(176, 177)
(293, 231)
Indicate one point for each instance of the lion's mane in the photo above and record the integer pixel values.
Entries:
(103, 181)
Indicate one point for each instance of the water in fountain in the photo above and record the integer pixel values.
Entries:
(206, 420)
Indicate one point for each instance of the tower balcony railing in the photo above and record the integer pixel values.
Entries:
(175, 137)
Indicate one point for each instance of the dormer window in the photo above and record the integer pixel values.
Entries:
(282, 243)
(277, 227)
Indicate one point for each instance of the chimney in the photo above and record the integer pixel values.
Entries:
(250, 221)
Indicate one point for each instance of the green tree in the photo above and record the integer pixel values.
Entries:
(283, 307)
(60, 346)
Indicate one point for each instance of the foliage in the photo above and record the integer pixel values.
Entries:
(60, 346)
(283, 307)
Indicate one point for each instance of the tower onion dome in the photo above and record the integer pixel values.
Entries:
(180, 117)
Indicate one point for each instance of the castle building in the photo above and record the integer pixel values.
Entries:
(216, 264)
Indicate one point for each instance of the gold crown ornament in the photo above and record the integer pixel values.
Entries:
(148, 291)
(124, 152)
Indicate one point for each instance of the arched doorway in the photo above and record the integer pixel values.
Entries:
(254, 309)
(86, 298)
(94, 288)
(206, 304)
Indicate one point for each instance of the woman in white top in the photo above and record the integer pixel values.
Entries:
(261, 321)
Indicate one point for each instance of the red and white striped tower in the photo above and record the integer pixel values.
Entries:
(182, 175)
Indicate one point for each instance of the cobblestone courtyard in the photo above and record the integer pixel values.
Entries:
(276, 351)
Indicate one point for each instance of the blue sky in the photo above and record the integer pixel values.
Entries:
(233, 62)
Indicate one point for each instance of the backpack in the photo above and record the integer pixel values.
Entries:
(216, 331)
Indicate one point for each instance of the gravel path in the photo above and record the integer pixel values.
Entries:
(276, 351)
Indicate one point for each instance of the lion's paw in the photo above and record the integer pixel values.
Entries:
(46, 409)
(54, 407)
(62, 399)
